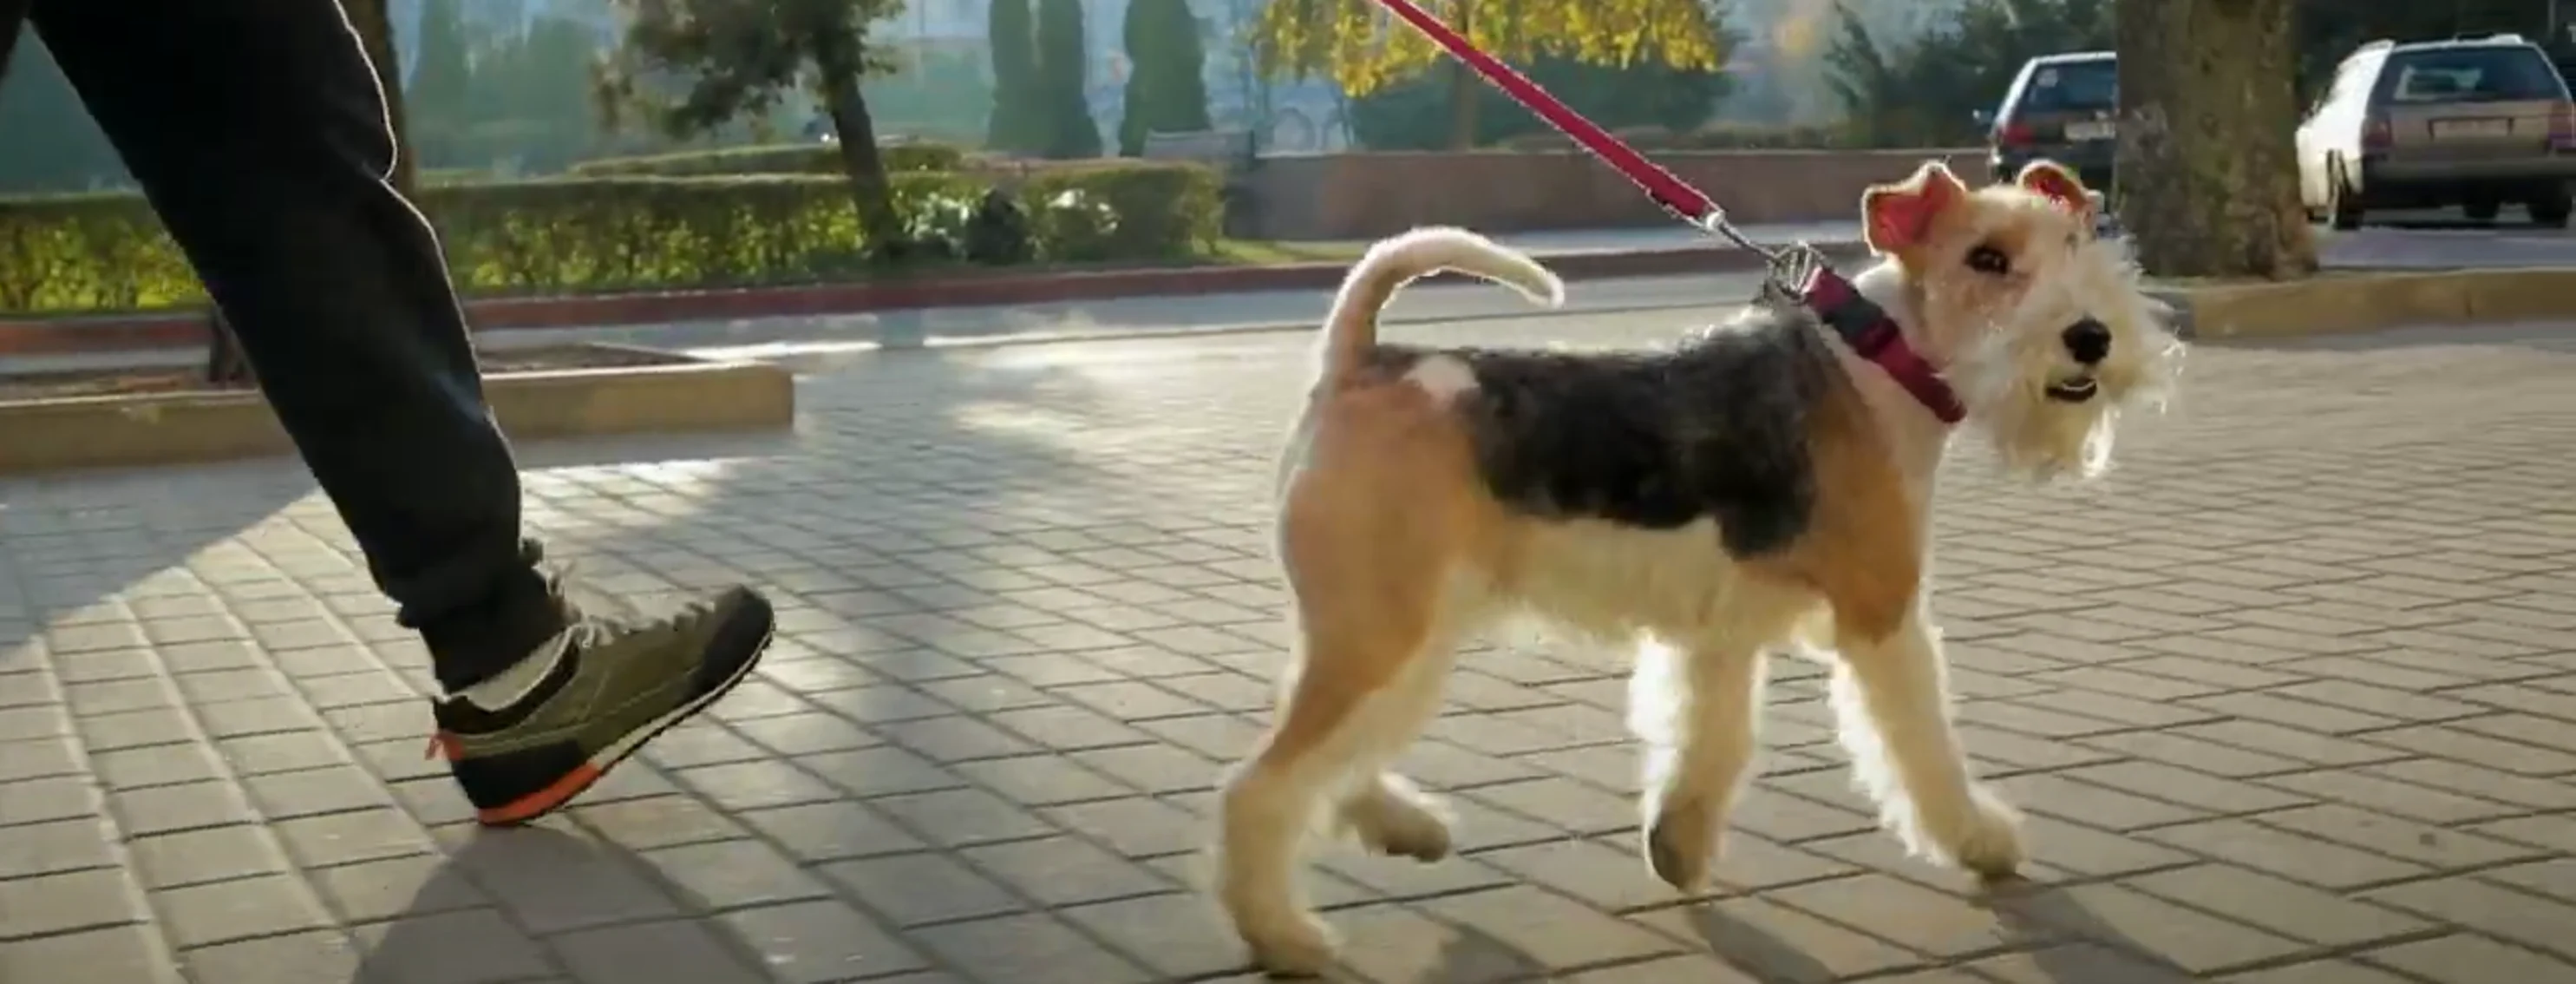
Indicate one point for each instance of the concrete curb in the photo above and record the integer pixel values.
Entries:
(681, 394)
(2340, 303)
(188, 330)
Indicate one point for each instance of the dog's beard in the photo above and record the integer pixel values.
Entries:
(2034, 436)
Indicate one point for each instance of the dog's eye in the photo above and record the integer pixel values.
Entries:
(1989, 260)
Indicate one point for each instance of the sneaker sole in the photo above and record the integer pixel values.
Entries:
(579, 780)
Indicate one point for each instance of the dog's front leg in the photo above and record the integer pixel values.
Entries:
(1698, 712)
(1892, 706)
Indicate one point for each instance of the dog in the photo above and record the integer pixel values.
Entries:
(1766, 485)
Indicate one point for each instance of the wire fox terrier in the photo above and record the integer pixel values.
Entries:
(1764, 485)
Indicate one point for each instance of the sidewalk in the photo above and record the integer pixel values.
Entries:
(2290, 700)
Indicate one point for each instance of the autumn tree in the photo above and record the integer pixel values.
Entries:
(1166, 80)
(2208, 179)
(1357, 44)
(742, 58)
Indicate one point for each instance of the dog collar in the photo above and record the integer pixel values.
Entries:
(1874, 336)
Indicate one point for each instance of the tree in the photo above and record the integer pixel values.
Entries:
(1166, 80)
(442, 80)
(1924, 91)
(1413, 114)
(2208, 183)
(740, 58)
(1352, 43)
(1018, 105)
(1064, 78)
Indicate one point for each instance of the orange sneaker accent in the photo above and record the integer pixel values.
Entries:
(441, 745)
(542, 801)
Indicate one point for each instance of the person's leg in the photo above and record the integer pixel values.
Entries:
(259, 134)
(256, 128)
(13, 13)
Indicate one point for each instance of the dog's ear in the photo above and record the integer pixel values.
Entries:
(1898, 216)
(2054, 181)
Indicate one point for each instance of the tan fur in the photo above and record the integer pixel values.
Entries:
(1393, 550)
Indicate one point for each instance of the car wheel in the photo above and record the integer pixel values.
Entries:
(2552, 212)
(2481, 209)
(2343, 208)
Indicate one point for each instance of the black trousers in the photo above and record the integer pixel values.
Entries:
(259, 134)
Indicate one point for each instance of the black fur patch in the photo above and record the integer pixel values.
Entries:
(1715, 427)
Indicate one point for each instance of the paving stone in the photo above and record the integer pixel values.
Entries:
(322, 956)
(123, 954)
(818, 942)
(58, 846)
(450, 948)
(2501, 912)
(733, 874)
(2283, 907)
(914, 889)
(1027, 949)
(2468, 960)
(672, 951)
(46, 905)
(208, 855)
(1176, 936)
(2310, 719)
(219, 912)
(374, 891)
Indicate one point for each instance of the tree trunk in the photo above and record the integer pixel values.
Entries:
(869, 189)
(2208, 181)
(1464, 84)
(376, 31)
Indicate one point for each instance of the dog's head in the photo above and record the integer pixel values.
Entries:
(2041, 327)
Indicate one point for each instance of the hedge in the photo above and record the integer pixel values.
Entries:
(796, 158)
(106, 252)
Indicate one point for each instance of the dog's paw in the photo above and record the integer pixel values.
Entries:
(1398, 820)
(1301, 946)
(1990, 844)
(1681, 844)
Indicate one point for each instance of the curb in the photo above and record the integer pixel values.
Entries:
(675, 395)
(2344, 303)
(187, 329)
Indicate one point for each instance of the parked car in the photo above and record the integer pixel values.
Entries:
(2061, 107)
(2473, 122)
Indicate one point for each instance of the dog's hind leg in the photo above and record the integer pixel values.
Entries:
(1892, 707)
(1370, 558)
(1698, 712)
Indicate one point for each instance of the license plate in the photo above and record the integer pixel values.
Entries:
(2471, 129)
(2095, 130)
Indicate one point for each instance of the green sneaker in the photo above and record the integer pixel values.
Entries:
(614, 688)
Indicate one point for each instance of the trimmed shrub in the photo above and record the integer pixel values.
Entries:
(106, 252)
(798, 158)
(1138, 210)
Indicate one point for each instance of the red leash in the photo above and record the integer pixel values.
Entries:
(1862, 324)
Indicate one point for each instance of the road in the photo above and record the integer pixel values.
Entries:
(2289, 698)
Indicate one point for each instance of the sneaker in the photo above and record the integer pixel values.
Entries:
(614, 687)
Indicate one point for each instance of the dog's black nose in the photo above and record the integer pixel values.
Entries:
(2089, 341)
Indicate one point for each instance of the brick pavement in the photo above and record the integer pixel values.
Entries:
(2290, 701)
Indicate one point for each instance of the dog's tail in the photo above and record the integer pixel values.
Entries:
(1394, 262)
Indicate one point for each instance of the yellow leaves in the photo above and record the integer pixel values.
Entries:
(1358, 44)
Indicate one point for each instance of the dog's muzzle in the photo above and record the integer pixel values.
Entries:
(2088, 342)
